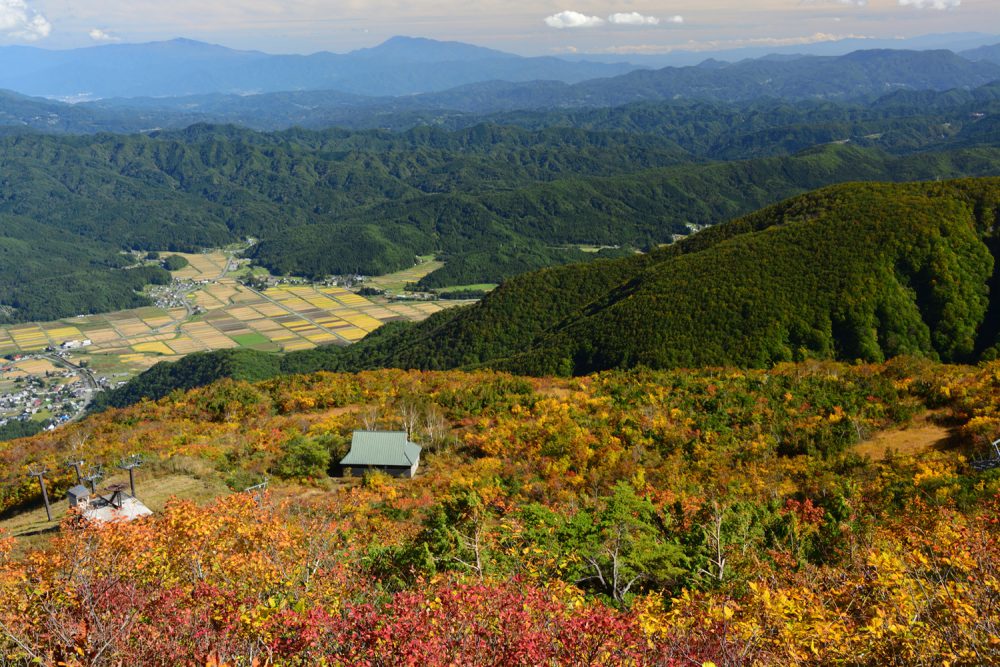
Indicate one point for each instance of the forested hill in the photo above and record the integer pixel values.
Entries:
(854, 271)
(494, 201)
(69, 205)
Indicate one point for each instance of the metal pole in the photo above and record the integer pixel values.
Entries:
(131, 464)
(75, 465)
(40, 474)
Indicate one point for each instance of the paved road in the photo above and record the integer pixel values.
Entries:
(88, 379)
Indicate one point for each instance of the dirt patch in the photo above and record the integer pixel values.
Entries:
(921, 436)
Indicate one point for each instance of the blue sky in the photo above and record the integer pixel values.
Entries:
(522, 26)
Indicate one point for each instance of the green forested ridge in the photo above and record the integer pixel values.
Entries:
(853, 271)
(899, 122)
(495, 201)
(69, 205)
(519, 227)
(861, 271)
(194, 370)
(20, 429)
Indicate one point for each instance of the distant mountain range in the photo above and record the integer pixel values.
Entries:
(400, 66)
(989, 53)
(956, 42)
(855, 75)
(428, 74)
(858, 75)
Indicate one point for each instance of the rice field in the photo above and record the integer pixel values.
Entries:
(395, 282)
(283, 318)
(201, 266)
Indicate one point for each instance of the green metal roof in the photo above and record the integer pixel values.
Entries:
(381, 448)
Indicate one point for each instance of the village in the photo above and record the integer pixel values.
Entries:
(49, 388)
(51, 371)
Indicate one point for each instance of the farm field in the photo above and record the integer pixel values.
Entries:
(395, 282)
(282, 318)
(201, 266)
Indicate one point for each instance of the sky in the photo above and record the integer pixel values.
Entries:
(527, 27)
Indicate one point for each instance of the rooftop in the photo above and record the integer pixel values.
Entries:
(381, 448)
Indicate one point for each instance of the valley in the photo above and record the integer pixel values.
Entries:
(208, 305)
(431, 354)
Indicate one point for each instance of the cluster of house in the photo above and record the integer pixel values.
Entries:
(63, 393)
(173, 295)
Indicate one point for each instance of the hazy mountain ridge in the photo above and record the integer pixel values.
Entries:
(400, 66)
(858, 76)
(990, 53)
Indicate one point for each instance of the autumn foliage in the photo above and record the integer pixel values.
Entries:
(712, 517)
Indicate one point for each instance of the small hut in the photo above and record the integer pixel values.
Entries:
(78, 495)
(388, 451)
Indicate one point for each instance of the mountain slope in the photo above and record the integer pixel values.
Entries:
(496, 200)
(853, 271)
(856, 271)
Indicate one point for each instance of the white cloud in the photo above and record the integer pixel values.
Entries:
(633, 18)
(571, 19)
(930, 4)
(676, 18)
(99, 35)
(19, 20)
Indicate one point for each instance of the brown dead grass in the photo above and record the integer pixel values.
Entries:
(922, 435)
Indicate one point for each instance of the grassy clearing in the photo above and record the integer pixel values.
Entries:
(480, 287)
(254, 340)
(153, 492)
(918, 437)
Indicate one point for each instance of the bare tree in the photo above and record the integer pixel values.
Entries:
(715, 544)
(409, 414)
(473, 543)
(370, 417)
(436, 426)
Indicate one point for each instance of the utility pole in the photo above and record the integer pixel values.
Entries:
(75, 465)
(40, 474)
(131, 464)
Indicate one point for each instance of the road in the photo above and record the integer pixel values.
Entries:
(85, 373)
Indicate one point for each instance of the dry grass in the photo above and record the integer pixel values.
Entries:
(920, 436)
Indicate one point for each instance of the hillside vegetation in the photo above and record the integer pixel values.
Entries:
(492, 201)
(861, 271)
(854, 271)
(651, 517)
